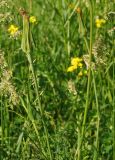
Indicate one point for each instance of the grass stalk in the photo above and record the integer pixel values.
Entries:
(98, 120)
(2, 122)
(89, 82)
(68, 38)
(113, 115)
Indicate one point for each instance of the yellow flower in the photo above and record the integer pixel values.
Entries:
(98, 25)
(75, 61)
(32, 19)
(99, 22)
(80, 74)
(13, 30)
(71, 68)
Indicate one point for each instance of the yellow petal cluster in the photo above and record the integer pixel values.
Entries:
(75, 63)
(32, 19)
(100, 22)
(71, 69)
(13, 30)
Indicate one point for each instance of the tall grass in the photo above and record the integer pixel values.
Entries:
(46, 112)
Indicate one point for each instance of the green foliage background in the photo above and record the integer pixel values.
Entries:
(57, 36)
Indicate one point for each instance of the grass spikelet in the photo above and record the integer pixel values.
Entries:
(6, 87)
(99, 51)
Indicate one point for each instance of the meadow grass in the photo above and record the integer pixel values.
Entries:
(57, 80)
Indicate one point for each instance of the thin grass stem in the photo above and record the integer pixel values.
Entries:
(113, 113)
(98, 120)
(68, 38)
(89, 81)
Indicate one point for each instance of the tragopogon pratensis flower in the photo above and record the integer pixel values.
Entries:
(75, 63)
(99, 22)
(13, 30)
(32, 19)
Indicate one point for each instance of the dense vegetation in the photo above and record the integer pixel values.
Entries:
(57, 85)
